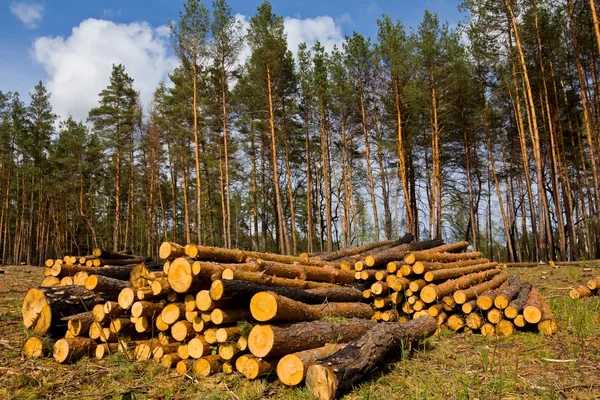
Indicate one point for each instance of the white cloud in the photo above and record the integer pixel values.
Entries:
(298, 30)
(79, 66)
(30, 14)
(323, 29)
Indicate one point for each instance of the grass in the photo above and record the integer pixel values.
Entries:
(450, 366)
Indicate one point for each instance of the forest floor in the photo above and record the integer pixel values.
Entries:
(525, 365)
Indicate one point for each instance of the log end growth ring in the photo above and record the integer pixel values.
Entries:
(321, 382)
(290, 370)
(261, 340)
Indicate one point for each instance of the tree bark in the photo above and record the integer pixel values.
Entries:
(336, 374)
(276, 341)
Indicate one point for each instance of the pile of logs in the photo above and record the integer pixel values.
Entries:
(462, 290)
(326, 318)
(591, 288)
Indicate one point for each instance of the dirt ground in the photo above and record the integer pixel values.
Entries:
(451, 366)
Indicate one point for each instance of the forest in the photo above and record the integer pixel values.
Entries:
(486, 133)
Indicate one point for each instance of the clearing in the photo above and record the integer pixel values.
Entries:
(525, 365)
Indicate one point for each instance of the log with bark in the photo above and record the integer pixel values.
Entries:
(277, 341)
(333, 375)
(222, 289)
(44, 307)
(397, 253)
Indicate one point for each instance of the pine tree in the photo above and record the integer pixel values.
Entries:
(114, 121)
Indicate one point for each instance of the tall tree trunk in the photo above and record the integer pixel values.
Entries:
(196, 158)
(542, 245)
(410, 227)
(284, 244)
(227, 226)
(497, 182)
(186, 228)
(325, 168)
(368, 159)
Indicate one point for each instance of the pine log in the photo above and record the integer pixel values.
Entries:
(71, 350)
(261, 279)
(169, 250)
(132, 262)
(126, 298)
(50, 281)
(488, 329)
(198, 347)
(182, 278)
(80, 278)
(160, 286)
(44, 307)
(146, 309)
(394, 266)
(515, 307)
(276, 341)
(442, 274)
(36, 347)
(242, 344)
(254, 367)
(510, 292)
(99, 283)
(207, 253)
(116, 272)
(431, 292)
(303, 272)
(104, 349)
(485, 300)
(79, 324)
(211, 335)
(205, 303)
(291, 369)
(227, 351)
(421, 267)
(227, 334)
(547, 325)
(169, 360)
(182, 331)
(505, 328)
(333, 375)
(455, 322)
(425, 254)
(206, 366)
(100, 253)
(532, 311)
(474, 321)
(220, 316)
(222, 289)
(468, 307)
(352, 251)
(268, 306)
(397, 253)
(580, 292)
(346, 310)
(241, 361)
(494, 316)
(183, 366)
(463, 295)
(172, 313)
(594, 283)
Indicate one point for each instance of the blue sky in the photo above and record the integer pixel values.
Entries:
(42, 39)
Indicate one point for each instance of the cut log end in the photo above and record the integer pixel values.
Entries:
(34, 347)
(321, 382)
(261, 340)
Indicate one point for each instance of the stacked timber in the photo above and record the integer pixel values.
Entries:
(215, 310)
(591, 288)
(462, 290)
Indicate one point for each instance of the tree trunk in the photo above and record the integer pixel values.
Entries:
(276, 341)
(44, 307)
(337, 373)
(242, 289)
(431, 292)
(284, 244)
(292, 368)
